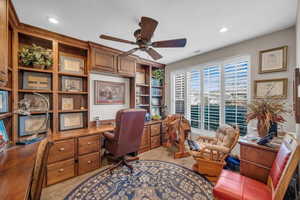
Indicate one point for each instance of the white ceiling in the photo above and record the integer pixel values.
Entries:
(197, 20)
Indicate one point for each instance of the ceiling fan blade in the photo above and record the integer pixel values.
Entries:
(148, 26)
(129, 52)
(107, 37)
(154, 54)
(170, 43)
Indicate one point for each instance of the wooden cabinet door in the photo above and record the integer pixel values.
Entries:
(126, 66)
(145, 138)
(3, 42)
(104, 61)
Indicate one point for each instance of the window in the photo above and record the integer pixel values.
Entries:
(236, 89)
(179, 93)
(213, 95)
(212, 77)
(193, 98)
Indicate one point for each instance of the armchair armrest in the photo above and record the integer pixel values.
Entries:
(109, 135)
(218, 148)
(206, 139)
(211, 152)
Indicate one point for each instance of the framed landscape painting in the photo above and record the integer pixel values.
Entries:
(109, 93)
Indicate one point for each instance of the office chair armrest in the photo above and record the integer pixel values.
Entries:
(109, 135)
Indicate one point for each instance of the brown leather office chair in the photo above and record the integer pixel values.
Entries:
(127, 135)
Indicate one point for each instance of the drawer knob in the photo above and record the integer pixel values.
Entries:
(89, 143)
(61, 149)
(89, 162)
(61, 170)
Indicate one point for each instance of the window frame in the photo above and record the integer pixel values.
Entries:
(200, 67)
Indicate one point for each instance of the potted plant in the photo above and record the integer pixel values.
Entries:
(268, 112)
(35, 56)
(157, 77)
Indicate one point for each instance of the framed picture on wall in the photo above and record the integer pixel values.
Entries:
(71, 121)
(67, 103)
(29, 125)
(109, 93)
(71, 84)
(273, 60)
(3, 101)
(71, 64)
(36, 81)
(276, 88)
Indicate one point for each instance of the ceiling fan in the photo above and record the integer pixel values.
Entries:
(143, 39)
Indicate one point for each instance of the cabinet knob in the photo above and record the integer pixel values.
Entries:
(61, 149)
(89, 162)
(61, 170)
(89, 143)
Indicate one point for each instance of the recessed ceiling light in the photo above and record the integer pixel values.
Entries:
(53, 20)
(223, 30)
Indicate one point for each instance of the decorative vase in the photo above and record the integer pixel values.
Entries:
(262, 129)
(273, 129)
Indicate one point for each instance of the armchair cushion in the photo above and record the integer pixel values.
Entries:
(233, 186)
(225, 135)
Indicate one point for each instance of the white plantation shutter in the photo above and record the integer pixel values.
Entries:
(194, 98)
(212, 94)
(179, 92)
(236, 90)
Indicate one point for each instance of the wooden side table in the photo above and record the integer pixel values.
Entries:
(256, 160)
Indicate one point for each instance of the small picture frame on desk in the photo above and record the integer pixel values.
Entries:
(29, 125)
(70, 121)
(36, 81)
(71, 84)
(3, 101)
(71, 64)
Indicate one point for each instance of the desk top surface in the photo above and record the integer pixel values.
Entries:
(16, 166)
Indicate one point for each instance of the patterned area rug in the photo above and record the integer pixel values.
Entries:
(151, 180)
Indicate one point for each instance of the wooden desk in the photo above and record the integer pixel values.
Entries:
(256, 160)
(16, 166)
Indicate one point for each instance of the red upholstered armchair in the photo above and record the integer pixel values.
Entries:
(127, 135)
(233, 186)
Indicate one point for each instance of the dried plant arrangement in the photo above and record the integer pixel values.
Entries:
(267, 111)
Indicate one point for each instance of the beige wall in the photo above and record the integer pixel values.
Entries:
(248, 48)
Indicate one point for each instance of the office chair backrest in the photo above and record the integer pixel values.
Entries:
(129, 130)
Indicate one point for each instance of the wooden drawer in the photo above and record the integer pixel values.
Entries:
(60, 171)
(88, 144)
(88, 163)
(62, 150)
(145, 138)
(155, 129)
(155, 141)
(260, 156)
